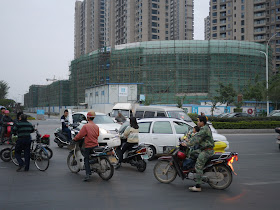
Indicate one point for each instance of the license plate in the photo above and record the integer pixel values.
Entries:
(113, 160)
(146, 157)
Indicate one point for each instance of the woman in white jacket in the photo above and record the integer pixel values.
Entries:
(131, 134)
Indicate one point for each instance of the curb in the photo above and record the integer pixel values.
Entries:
(246, 131)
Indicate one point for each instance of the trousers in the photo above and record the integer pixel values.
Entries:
(200, 163)
(23, 144)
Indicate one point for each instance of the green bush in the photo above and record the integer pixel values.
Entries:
(239, 119)
(193, 116)
(247, 125)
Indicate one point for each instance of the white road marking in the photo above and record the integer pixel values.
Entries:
(263, 154)
(3, 167)
(249, 134)
(262, 183)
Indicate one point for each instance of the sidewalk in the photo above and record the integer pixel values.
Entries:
(246, 131)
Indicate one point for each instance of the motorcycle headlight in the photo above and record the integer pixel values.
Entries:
(103, 131)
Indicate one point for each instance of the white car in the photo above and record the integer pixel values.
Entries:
(163, 133)
(108, 129)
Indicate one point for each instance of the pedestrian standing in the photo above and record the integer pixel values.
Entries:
(23, 129)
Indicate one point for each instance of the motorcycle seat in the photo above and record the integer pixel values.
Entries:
(98, 149)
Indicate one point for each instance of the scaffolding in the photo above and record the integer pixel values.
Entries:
(170, 69)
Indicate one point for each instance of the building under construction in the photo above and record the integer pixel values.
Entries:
(170, 69)
(56, 94)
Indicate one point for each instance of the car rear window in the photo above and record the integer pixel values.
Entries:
(149, 114)
(162, 128)
(139, 114)
(144, 127)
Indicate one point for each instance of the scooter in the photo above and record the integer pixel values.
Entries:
(99, 162)
(61, 138)
(277, 130)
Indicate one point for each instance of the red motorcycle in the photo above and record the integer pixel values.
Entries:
(217, 171)
(7, 136)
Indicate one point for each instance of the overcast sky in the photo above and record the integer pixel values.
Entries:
(37, 40)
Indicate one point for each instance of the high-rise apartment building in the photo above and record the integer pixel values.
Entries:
(207, 28)
(100, 23)
(254, 20)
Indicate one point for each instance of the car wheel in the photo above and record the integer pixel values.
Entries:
(151, 152)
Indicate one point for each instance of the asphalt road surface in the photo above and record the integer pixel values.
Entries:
(256, 185)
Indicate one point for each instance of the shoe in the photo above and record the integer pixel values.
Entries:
(87, 178)
(26, 170)
(195, 189)
(19, 168)
(118, 166)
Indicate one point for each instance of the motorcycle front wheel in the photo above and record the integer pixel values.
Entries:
(5, 154)
(106, 169)
(225, 183)
(72, 163)
(164, 172)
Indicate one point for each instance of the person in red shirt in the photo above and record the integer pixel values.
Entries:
(91, 132)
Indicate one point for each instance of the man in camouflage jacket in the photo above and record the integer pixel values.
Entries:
(205, 140)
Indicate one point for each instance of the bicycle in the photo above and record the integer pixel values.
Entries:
(38, 153)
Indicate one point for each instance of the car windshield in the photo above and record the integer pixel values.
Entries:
(125, 113)
(179, 115)
(102, 119)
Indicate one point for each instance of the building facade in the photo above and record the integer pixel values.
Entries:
(170, 69)
(207, 28)
(256, 20)
(103, 23)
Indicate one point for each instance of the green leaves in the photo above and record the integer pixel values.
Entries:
(3, 89)
(226, 94)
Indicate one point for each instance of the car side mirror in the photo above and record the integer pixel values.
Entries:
(109, 114)
(84, 122)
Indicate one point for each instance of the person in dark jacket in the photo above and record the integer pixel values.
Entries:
(120, 118)
(64, 122)
(23, 129)
(1, 116)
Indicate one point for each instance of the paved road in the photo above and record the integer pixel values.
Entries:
(255, 187)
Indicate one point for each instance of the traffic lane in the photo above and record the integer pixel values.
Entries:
(130, 189)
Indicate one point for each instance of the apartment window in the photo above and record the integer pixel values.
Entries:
(155, 37)
(214, 1)
(214, 35)
(242, 30)
(154, 24)
(154, 5)
(155, 12)
(214, 28)
(242, 1)
(154, 30)
(214, 14)
(242, 7)
(154, 18)
(214, 7)
(277, 49)
(214, 21)
(242, 15)
(277, 10)
(242, 37)
(242, 22)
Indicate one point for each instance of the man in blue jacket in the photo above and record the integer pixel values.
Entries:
(64, 122)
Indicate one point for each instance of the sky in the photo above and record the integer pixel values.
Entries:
(37, 41)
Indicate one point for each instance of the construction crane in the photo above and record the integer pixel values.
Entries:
(52, 80)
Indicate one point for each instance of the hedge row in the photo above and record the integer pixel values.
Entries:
(236, 119)
(247, 125)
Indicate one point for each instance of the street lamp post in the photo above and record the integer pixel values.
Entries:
(266, 65)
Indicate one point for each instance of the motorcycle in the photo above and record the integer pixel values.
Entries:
(7, 153)
(217, 171)
(61, 138)
(135, 157)
(8, 134)
(99, 162)
(277, 130)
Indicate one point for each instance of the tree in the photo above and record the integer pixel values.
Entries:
(180, 101)
(274, 90)
(226, 94)
(3, 89)
(214, 102)
(255, 91)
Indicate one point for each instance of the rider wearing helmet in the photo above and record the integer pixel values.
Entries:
(206, 143)
(90, 132)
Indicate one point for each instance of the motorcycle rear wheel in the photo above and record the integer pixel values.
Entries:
(72, 163)
(5, 154)
(164, 172)
(141, 165)
(13, 157)
(107, 169)
(227, 177)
